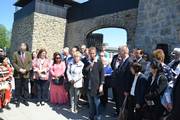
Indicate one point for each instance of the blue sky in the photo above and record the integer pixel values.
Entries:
(113, 36)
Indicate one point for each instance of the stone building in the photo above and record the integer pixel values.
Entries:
(53, 24)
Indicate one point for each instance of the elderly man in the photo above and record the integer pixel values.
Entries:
(124, 77)
(175, 63)
(83, 48)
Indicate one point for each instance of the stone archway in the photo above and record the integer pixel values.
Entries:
(77, 31)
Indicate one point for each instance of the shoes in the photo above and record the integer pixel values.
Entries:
(1, 110)
(1, 118)
(42, 103)
(38, 104)
(8, 107)
(25, 103)
(17, 104)
(116, 114)
(74, 111)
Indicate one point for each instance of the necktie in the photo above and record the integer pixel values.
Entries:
(23, 57)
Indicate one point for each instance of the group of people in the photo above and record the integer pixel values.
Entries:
(148, 86)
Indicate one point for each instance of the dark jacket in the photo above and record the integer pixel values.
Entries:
(95, 76)
(156, 89)
(140, 89)
(18, 64)
(143, 63)
(124, 77)
(176, 101)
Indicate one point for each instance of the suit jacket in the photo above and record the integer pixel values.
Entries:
(140, 89)
(18, 63)
(143, 63)
(124, 77)
(176, 100)
(95, 75)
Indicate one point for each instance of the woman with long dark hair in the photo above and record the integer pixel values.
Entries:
(58, 94)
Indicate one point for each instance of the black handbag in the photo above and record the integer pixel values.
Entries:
(59, 80)
(67, 85)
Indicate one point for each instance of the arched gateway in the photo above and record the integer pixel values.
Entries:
(53, 24)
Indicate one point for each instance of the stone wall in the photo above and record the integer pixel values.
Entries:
(158, 23)
(22, 32)
(39, 31)
(77, 31)
(48, 32)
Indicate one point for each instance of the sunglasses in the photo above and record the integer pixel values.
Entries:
(58, 58)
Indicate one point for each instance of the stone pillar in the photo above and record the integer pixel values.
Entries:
(41, 25)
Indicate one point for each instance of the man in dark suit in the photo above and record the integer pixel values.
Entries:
(139, 59)
(116, 61)
(94, 84)
(176, 101)
(124, 77)
(22, 62)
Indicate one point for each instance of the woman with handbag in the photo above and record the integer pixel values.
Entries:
(41, 71)
(157, 82)
(58, 94)
(137, 92)
(75, 77)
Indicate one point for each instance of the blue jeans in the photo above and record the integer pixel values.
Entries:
(94, 105)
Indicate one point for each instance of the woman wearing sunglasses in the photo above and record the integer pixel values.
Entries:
(58, 94)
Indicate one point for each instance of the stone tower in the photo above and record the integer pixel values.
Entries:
(41, 24)
(158, 24)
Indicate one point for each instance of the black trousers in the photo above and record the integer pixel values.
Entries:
(133, 114)
(33, 89)
(42, 90)
(153, 112)
(106, 86)
(21, 89)
(118, 98)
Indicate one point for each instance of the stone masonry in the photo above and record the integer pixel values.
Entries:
(40, 31)
(158, 23)
(48, 33)
(153, 22)
(78, 31)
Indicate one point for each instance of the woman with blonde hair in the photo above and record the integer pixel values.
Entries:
(75, 77)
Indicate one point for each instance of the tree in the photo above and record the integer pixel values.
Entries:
(4, 37)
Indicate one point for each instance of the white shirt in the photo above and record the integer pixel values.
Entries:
(134, 84)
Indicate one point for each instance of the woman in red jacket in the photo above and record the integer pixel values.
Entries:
(6, 72)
